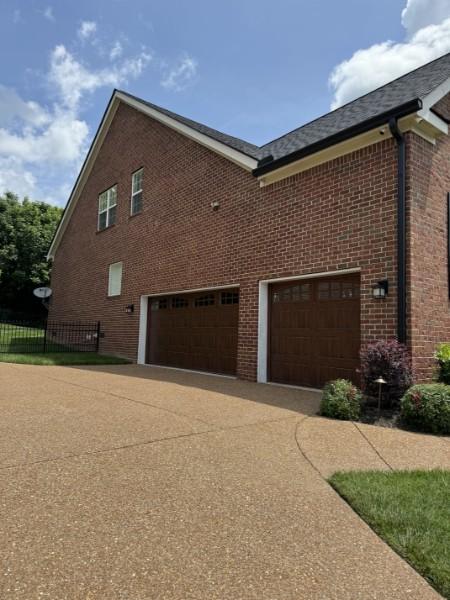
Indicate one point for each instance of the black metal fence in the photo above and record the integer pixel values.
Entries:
(24, 337)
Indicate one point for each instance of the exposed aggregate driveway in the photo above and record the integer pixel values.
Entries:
(136, 483)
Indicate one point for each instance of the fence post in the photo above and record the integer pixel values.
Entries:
(45, 335)
(98, 336)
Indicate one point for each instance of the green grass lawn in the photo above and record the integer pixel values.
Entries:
(16, 339)
(63, 358)
(25, 345)
(410, 510)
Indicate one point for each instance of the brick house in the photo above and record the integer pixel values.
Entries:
(198, 250)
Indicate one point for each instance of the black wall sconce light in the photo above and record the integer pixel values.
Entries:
(129, 309)
(381, 289)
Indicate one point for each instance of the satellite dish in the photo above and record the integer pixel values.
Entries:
(42, 292)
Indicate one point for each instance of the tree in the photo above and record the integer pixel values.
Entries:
(26, 231)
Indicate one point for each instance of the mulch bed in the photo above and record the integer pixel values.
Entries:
(387, 417)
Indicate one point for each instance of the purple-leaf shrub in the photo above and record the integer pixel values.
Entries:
(391, 361)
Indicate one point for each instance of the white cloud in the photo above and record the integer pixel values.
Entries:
(14, 178)
(60, 142)
(116, 51)
(41, 148)
(372, 67)
(87, 29)
(48, 13)
(421, 13)
(73, 80)
(17, 17)
(12, 107)
(179, 77)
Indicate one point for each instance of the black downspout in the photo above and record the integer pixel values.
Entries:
(401, 230)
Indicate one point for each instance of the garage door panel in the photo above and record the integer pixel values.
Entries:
(337, 317)
(335, 348)
(315, 337)
(195, 331)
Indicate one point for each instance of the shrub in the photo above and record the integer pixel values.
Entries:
(341, 400)
(442, 355)
(390, 360)
(427, 407)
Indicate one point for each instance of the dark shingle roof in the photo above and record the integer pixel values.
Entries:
(413, 86)
(228, 140)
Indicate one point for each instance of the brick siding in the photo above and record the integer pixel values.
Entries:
(339, 215)
(428, 182)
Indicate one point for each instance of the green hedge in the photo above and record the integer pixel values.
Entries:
(442, 356)
(426, 407)
(341, 400)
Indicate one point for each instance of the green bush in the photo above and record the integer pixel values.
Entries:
(427, 407)
(442, 355)
(341, 400)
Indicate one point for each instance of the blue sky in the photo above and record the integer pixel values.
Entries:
(253, 69)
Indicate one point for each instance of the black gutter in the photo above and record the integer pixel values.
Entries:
(401, 230)
(380, 119)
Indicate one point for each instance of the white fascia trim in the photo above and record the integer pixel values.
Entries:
(142, 340)
(328, 154)
(193, 291)
(263, 314)
(433, 120)
(239, 158)
(429, 101)
(312, 275)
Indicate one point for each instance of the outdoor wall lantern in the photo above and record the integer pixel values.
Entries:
(380, 290)
(129, 308)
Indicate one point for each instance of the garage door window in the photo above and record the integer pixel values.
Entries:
(294, 293)
(159, 304)
(337, 290)
(229, 298)
(206, 300)
(179, 303)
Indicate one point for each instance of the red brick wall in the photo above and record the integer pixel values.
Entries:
(428, 177)
(339, 215)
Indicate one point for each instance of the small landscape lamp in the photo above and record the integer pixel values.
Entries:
(380, 382)
(380, 290)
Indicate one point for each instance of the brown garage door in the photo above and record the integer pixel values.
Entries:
(194, 331)
(314, 330)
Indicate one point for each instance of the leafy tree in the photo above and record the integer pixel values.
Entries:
(26, 231)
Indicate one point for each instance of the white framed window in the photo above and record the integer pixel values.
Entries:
(136, 192)
(107, 203)
(115, 279)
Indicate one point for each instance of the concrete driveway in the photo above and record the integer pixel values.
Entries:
(138, 483)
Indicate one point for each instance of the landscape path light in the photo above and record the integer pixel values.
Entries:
(380, 382)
